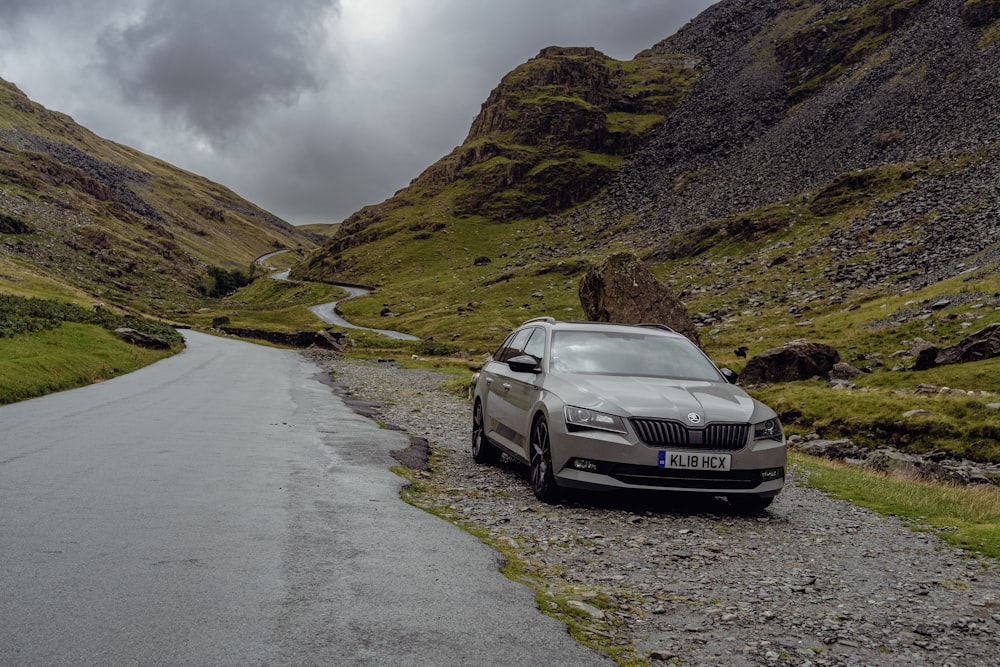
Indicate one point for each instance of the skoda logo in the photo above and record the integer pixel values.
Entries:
(694, 418)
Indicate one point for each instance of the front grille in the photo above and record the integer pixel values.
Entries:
(727, 436)
(661, 432)
(667, 433)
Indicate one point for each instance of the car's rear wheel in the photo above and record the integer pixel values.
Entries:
(483, 451)
(747, 504)
(543, 482)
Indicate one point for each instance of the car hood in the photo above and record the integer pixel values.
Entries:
(660, 398)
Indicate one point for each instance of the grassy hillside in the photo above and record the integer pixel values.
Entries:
(125, 227)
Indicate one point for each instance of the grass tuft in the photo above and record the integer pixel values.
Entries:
(965, 517)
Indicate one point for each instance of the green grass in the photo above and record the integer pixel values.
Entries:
(69, 356)
(21, 279)
(50, 341)
(966, 517)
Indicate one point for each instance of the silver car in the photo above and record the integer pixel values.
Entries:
(597, 406)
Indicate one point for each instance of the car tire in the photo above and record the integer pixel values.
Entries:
(747, 504)
(543, 482)
(483, 451)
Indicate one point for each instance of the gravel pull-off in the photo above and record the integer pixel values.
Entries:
(813, 581)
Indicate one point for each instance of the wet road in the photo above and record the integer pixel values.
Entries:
(224, 507)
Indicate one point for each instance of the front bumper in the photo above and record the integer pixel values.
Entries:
(596, 460)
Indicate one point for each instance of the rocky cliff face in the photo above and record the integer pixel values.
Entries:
(799, 97)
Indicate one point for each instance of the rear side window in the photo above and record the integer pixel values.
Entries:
(498, 355)
(515, 345)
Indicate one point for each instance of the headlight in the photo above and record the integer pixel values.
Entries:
(767, 430)
(582, 418)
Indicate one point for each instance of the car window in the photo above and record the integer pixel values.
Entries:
(634, 354)
(516, 345)
(536, 344)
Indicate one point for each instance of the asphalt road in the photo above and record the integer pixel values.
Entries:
(223, 507)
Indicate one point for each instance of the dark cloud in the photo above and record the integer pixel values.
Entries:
(217, 63)
(12, 11)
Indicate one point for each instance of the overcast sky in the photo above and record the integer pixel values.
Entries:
(308, 108)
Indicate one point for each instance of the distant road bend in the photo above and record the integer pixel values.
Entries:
(328, 312)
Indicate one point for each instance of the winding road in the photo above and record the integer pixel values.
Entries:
(329, 312)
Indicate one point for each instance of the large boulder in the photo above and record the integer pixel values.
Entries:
(622, 290)
(984, 344)
(791, 362)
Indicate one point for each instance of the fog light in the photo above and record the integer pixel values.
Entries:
(585, 464)
(772, 474)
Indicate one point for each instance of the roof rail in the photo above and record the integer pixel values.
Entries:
(655, 325)
(543, 318)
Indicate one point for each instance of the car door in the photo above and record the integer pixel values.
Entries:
(497, 414)
(505, 395)
(523, 389)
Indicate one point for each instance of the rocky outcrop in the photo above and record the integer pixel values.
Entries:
(793, 361)
(140, 339)
(984, 344)
(622, 289)
(11, 225)
(549, 137)
(301, 339)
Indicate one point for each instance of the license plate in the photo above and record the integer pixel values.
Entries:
(694, 461)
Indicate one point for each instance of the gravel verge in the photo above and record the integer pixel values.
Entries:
(813, 581)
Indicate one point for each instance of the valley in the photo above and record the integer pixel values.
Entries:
(794, 171)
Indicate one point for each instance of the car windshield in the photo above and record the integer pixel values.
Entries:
(630, 353)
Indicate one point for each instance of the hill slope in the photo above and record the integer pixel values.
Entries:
(880, 119)
(550, 136)
(124, 227)
(809, 151)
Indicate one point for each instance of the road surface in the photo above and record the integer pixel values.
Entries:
(223, 507)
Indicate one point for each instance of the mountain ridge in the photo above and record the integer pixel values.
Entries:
(549, 136)
(844, 148)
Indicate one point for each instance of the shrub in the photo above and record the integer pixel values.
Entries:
(222, 282)
(21, 315)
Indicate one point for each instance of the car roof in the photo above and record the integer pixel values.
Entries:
(574, 325)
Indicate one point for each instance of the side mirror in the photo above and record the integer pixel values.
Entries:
(524, 363)
(730, 375)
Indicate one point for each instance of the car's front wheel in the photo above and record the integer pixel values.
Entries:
(543, 482)
(483, 451)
